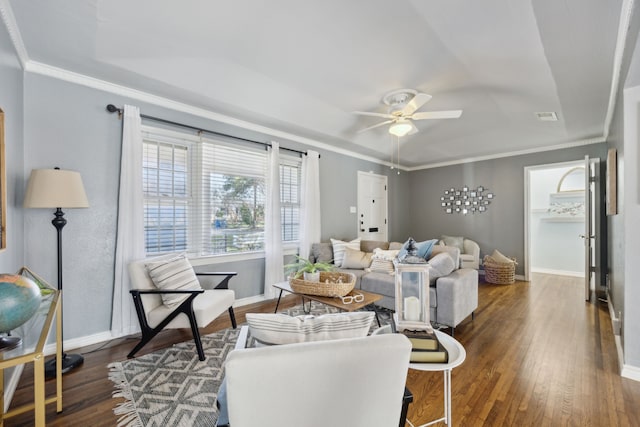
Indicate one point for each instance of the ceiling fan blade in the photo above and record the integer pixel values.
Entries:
(448, 114)
(375, 126)
(370, 113)
(414, 129)
(416, 102)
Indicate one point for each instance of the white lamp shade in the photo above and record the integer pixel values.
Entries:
(55, 188)
(400, 128)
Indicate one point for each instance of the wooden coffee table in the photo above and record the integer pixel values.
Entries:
(369, 299)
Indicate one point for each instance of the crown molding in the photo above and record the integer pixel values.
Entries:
(618, 56)
(84, 80)
(91, 82)
(512, 153)
(14, 33)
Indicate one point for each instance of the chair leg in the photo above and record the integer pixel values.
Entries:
(407, 398)
(146, 337)
(232, 315)
(196, 336)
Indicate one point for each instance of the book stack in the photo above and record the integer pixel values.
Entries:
(426, 346)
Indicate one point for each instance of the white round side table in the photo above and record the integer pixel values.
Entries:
(457, 354)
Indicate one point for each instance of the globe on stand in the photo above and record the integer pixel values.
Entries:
(20, 298)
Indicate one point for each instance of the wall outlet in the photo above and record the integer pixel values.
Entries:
(352, 209)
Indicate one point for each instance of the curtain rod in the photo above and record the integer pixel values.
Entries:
(112, 109)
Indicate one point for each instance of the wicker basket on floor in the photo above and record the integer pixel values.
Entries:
(499, 273)
(331, 284)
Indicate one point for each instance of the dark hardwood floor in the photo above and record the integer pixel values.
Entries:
(537, 355)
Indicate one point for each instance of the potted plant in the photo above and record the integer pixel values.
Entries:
(309, 271)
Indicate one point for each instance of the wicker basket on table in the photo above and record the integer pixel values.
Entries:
(499, 273)
(331, 284)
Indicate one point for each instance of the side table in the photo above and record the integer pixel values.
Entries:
(34, 335)
(457, 354)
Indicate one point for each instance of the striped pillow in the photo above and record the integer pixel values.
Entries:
(273, 329)
(175, 273)
(340, 247)
(381, 266)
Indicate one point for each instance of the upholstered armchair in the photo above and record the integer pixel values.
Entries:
(469, 250)
(167, 295)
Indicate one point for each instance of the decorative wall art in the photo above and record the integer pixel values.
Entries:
(3, 188)
(466, 200)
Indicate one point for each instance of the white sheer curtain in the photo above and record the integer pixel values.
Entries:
(310, 203)
(130, 233)
(274, 265)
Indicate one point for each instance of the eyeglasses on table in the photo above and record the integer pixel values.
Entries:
(349, 299)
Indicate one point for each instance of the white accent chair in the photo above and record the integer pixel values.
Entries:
(469, 255)
(200, 308)
(470, 258)
(354, 382)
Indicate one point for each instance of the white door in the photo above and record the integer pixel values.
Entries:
(372, 206)
(591, 226)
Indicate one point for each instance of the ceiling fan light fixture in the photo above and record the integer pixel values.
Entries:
(400, 128)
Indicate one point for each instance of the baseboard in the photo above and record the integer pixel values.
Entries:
(630, 372)
(558, 272)
(249, 300)
(69, 345)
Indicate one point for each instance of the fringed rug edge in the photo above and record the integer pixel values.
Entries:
(125, 411)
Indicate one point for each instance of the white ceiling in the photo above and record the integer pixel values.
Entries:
(303, 67)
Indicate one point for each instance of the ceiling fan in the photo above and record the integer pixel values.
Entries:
(403, 104)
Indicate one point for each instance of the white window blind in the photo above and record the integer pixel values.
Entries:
(233, 192)
(290, 200)
(207, 197)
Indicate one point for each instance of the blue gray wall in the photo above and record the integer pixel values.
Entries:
(75, 132)
(11, 102)
(502, 226)
(51, 122)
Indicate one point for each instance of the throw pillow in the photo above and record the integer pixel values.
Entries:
(424, 248)
(356, 259)
(381, 266)
(174, 273)
(370, 245)
(389, 255)
(440, 265)
(455, 241)
(271, 329)
(499, 257)
(322, 252)
(339, 248)
(395, 246)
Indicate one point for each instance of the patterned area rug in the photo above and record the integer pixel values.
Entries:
(172, 387)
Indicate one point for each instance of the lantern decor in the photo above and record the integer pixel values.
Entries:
(412, 292)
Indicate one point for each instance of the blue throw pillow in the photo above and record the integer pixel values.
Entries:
(424, 248)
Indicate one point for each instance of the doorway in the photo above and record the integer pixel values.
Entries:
(555, 209)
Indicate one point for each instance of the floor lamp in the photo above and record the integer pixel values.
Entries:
(57, 189)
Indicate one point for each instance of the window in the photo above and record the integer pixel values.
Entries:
(290, 200)
(207, 197)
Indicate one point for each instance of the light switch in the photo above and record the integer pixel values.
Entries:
(352, 209)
